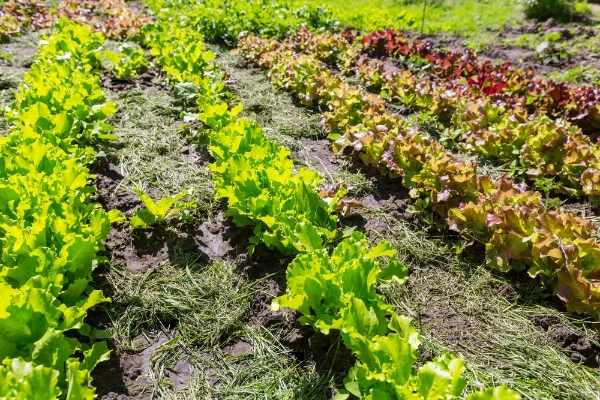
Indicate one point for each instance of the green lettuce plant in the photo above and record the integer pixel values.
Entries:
(50, 232)
(157, 212)
(128, 62)
(337, 291)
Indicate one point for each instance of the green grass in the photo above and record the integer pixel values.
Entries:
(266, 371)
(185, 293)
(276, 18)
(15, 59)
(459, 309)
(200, 307)
(149, 147)
(465, 17)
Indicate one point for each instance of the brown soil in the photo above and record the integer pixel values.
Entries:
(121, 377)
(581, 350)
(152, 79)
(319, 153)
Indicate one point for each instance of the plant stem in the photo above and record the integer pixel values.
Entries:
(423, 20)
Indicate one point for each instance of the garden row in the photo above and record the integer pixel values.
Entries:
(517, 229)
(331, 291)
(471, 79)
(492, 121)
(50, 231)
(498, 111)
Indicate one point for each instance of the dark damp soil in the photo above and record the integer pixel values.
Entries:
(121, 377)
(581, 349)
(318, 153)
(152, 79)
(140, 250)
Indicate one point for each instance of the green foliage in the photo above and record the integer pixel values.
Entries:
(256, 176)
(9, 26)
(224, 20)
(548, 52)
(159, 212)
(547, 185)
(72, 44)
(514, 224)
(5, 56)
(128, 62)
(49, 232)
(560, 10)
(263, 189)
(44, 102)
(183, 56)
(337, 291)
(581, 74)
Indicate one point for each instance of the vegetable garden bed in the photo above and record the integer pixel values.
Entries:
(249, 260)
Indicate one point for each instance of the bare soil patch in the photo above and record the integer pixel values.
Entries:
(152, 79)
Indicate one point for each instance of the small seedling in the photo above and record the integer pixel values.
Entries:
(159, 212)
(548, 52)
(546, 185)
(128, 62)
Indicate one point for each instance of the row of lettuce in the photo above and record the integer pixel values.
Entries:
(331, 290)
(502, 83)
(497, 112)
(50, 232)
(515, 226)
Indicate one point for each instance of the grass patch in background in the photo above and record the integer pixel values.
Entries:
(464, 17)
(222, 20)
(580, 75)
